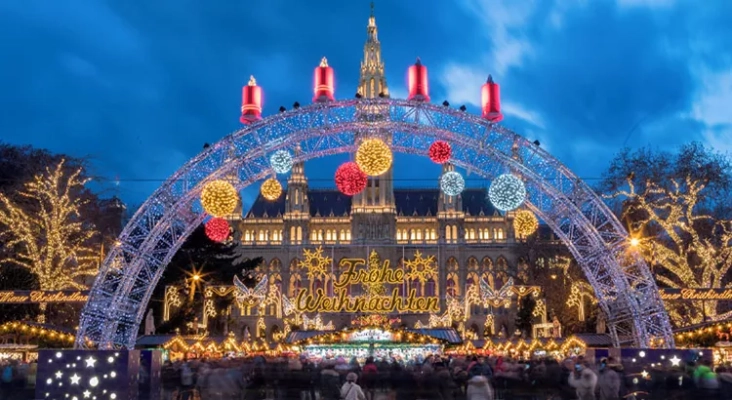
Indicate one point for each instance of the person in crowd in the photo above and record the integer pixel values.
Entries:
(704, 377)
(583, 380)
(479, 389)
(351, 390)
(608, 380)
(330, 382)
(187, 382)
(369, 376)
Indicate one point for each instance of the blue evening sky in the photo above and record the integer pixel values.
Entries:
(139, 85)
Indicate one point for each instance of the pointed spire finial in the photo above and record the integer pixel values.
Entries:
(372, 8)
(324, 62)
(419, 62)
(252, 81)
(490, 79)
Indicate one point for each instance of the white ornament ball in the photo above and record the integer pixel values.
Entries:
(452, 183)
(507, 192)
(281, 161)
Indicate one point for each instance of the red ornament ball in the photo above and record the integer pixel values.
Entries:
(217, 229)
(349, 179)
(440, 152)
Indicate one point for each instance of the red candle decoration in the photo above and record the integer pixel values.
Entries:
(491, 101)
(217, 229)
(251, 102)
(349, 179)
(440, 152)
(324, 87)
(418, 82)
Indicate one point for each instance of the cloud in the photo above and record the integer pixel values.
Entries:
(645, 3)
(712, 107)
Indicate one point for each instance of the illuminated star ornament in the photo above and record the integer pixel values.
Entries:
(420, 268)
(675, 361)
(315, 263)
(79, 374)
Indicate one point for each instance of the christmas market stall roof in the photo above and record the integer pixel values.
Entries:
(445, 335)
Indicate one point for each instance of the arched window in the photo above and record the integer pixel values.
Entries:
(327, 235)
(472, 234)
(314, 236)
(247, 236)
(419, 234)
(292, 234)
(299, 234)
(454, 233)
(320, 235)
(261, 236)
(433, 234)
(500, 234)
(429, 288)
(348, 235)
(448, 233)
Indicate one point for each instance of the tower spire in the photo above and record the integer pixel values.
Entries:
(373, 79)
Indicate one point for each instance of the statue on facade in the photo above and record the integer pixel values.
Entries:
(556, 328)
(601, 326)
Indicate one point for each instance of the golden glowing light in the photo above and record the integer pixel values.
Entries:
(271, 189)
(525, 223)
(315, 263)
(374, 157)
(52, 242)
(421, 268)
(219, 198)
(634, 242)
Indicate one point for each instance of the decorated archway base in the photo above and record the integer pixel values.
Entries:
(622, 281)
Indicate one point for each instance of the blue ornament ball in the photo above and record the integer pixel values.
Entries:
(452, 183)
(281, 161)
(507, 192)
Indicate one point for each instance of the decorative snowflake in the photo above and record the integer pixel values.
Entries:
(421, 268)
(374, 288)
(315, 263)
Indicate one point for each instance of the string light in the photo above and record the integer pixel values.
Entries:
(525, 223)
(219, 198)
(217, 229)
(52, 243)
(281, 161)
(507, 192)
(271, 189)
(373, 157)
(452, 183)
(440, 152)
(349, 179)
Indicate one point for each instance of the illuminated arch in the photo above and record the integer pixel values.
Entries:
(626, 290)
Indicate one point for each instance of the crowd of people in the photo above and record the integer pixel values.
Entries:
(17, 380)
(436, 378)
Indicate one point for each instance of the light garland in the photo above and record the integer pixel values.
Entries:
(281, 161)
(374, 157)
(349, 179)
(271, 189)
(507, 192)
(55, 244)
(525, 223)
(440, 152)
(219, 198)
(452, 183)
(217, 229)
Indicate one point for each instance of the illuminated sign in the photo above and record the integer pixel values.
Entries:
(371, 335)
(40, 296)
(696, 294)
(377, 300)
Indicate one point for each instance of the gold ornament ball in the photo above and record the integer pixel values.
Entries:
(271, 189)
(525, 223)
(373, 157)
(219, 198)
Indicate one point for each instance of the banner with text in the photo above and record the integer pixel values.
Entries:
(41, 296)
(696, 294)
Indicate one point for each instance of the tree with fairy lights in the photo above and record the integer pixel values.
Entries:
(44, 228)
(677, 209)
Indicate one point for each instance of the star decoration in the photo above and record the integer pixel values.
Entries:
(315, 263)
(675, 361)
(644, 374)
(87, 394)
(59, 374)
(420, 268)
(75, 379)
(90, 362)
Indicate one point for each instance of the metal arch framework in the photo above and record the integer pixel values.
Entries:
(623, 284)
